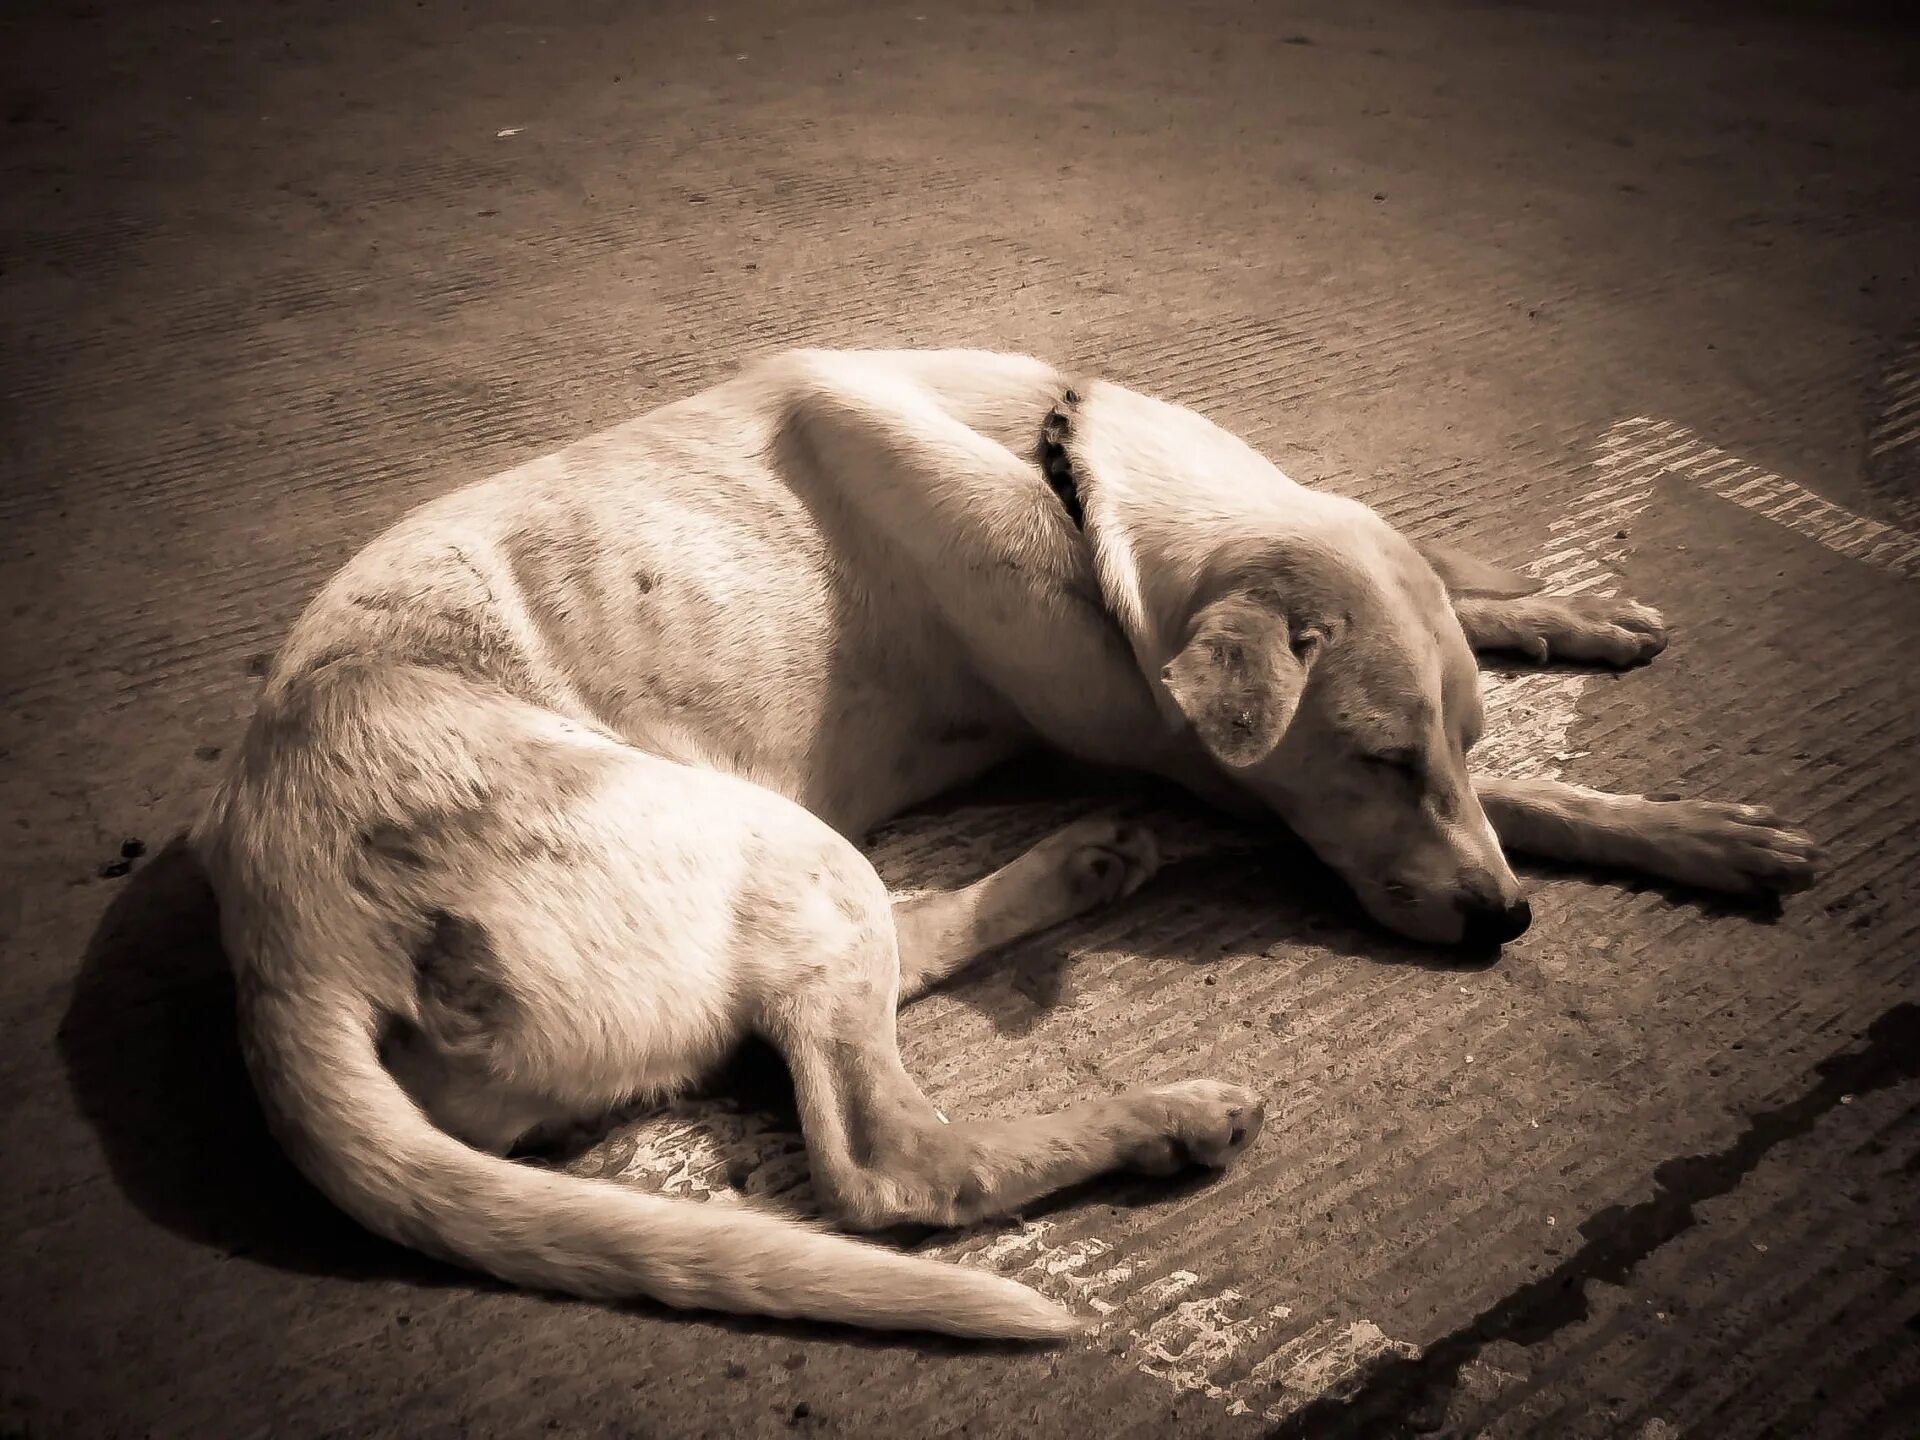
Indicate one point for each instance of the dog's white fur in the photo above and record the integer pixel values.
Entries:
(551, 797)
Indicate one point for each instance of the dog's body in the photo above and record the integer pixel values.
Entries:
(551, 798)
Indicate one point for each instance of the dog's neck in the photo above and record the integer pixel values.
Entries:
(1055, 463)
(1172, 509)
(1077, 483)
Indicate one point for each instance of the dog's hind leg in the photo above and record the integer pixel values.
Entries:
(1090, 862)
(882, 1155)
(1591, 629)
(1740, 849)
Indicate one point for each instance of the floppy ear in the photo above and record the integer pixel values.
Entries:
(1240, 675)
(1465, 574)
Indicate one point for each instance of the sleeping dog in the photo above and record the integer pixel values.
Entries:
(552, 797)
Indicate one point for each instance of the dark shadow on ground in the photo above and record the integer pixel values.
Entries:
(152, 1056)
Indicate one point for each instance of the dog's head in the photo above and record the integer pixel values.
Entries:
(1313, 655)
(1342, 695)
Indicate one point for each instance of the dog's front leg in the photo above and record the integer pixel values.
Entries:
(1738, 849)
(1563, 627)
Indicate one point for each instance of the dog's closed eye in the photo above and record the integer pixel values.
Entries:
(1404, 762)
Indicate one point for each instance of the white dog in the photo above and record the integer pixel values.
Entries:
(552, 794)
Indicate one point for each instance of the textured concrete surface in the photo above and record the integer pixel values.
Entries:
(1628, 292)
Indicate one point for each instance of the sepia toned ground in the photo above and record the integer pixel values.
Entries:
(1625, 292)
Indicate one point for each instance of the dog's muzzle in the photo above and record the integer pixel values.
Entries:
(1490, 926)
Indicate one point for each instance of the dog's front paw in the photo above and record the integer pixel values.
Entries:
(1738, 849)
(1604, 631)
(1195, 1122)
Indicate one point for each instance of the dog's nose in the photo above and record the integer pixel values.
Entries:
(1493, 925)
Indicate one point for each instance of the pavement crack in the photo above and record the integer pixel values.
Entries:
(1402, 1395)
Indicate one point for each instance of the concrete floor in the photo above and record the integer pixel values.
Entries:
(1629, 290)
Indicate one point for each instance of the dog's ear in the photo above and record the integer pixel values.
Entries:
(1239, 677)
(1465, 574)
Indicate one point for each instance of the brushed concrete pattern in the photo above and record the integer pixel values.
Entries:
(1626, 293)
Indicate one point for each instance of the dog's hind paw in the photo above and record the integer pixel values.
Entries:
(1088, 863)
(1195, 1122)
(1737, 849)
(1096, 861)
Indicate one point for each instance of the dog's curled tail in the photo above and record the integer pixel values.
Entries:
(361, 1139)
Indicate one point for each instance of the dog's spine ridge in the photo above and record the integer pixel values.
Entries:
(361, 1139)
